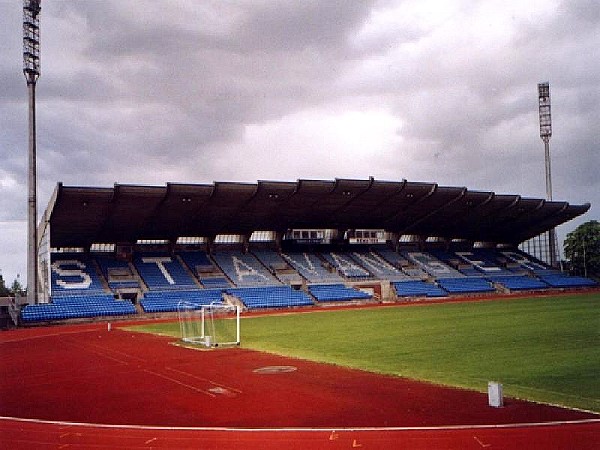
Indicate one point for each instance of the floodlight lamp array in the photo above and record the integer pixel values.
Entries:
(31, 40)
(545, 116)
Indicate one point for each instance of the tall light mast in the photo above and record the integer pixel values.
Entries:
(545, 134)
(31, 69)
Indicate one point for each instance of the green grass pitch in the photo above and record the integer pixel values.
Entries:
(543, 349)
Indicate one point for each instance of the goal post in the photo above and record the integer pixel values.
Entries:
(214, 325)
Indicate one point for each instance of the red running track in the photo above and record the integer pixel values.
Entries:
(86, 387)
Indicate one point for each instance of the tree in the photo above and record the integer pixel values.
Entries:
(16, 287)
(4, 292)
(582, 249)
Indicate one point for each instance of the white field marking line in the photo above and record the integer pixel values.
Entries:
(481, 443)
(111, 351)
(31, 443)
(534, 389)
(301, 429)
(467, 380)
(53, 378)
(401, 304)
(204, 379)
(103, 354)
(41, 336)
(55, 374)
(189, 386)
(526, 389)
(557, 405)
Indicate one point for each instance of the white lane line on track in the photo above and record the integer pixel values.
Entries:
(300, 429)
(104, 354)
(112, 351)
(40, 336)
(173, 380)
(204, 379)
(481, 443)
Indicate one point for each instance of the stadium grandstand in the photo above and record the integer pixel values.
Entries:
(132, 250)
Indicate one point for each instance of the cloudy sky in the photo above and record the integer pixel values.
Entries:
(443, 91)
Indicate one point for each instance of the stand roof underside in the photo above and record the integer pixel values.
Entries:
(80, 216)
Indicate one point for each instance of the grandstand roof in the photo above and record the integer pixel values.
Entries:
(80, 216)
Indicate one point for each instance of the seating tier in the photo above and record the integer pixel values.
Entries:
(108, 264)
(244, 269)
(379, 266)
(77, 306)
(310, 266)
(80, 289)
(270, 297)
(163, 272)
(484, 261)
(518, 283)
(274, 262)
(74, 274)
(418, 288)
(167, 301)
(524, 262)
(210, 276)
(347, 266)
(558, 280)
(336, 292)
(215, 282)
(432, 265)
(465, 285)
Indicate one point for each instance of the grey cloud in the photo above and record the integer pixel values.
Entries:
(292, 26)
(218, 83)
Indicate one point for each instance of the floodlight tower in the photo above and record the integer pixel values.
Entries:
(31, 69)
(545, 134)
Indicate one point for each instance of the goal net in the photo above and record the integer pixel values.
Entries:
(214, 325)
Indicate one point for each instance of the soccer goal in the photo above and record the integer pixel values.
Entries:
(214, 325)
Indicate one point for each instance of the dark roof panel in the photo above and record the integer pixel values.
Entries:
(80, 216)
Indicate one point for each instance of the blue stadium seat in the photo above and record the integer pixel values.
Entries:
(274, 262)
(195, 259)
(108, 263)
(465, 285)
(484, 261)
(523, 261)
(215, 282)
(432, 265)
(559, 280)
(379, 266)
(519, 282)
(418, 288)
(167, 301)
(161, 272)
(347, 266)
(244, 269)
(270, 297)
(336, 292)
(77, 306)
(74, 273)
(210, 276)
(311, 267)
(77, 292)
